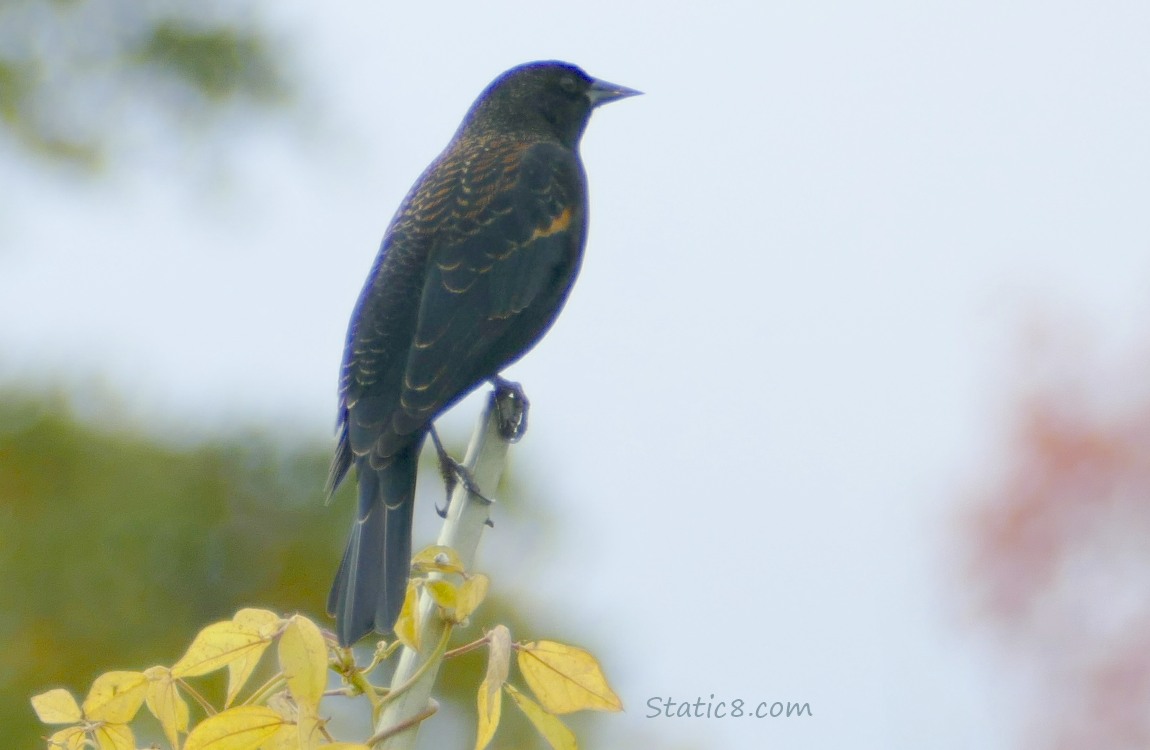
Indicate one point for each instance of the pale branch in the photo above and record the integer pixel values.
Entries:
(467, 517)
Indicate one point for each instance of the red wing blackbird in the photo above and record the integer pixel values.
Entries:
(472, 271)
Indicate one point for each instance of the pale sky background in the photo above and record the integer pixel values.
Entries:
(814, 246)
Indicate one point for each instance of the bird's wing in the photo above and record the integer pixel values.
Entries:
(497, 275)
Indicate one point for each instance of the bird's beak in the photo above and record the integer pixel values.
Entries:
(602, 92)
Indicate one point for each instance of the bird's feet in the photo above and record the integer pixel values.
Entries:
(511, 409)
(453, 473)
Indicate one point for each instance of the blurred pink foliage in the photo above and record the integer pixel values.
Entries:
(1060, 553)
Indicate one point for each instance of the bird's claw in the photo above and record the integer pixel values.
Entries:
(453, 473)
(511, 406)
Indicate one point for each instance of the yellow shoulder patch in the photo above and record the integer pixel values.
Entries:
(560, 223)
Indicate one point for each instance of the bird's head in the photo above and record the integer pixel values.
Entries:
(552, 96)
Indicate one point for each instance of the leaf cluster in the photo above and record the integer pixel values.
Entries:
(285, 711)
(563, 679)
(280, 714)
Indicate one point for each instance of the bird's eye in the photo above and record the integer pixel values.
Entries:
(567, 83)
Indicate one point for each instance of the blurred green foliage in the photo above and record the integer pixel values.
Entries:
(73, 73)
(218, 63)
(115, 549)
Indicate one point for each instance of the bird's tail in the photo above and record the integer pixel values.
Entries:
(371, 583)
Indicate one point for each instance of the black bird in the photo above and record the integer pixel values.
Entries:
(472, 271)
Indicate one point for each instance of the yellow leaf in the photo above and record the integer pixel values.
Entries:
(114, 737)
(490, 708)
(344, 746)
(556, 733)
(166, 703)
(565, 678)
(115, 697)
(239, 728)
(283, 705)
(442, 593)
(56, 707)
(303, 659)
(308, 733)
(406, 628)
(437, 558)
(489, 700)
(285, 738)
(471, 595)
(71, 738)
(498, 655)
(240, 670)
(259, 622)
(219, 644)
